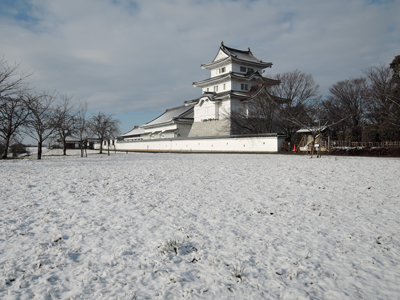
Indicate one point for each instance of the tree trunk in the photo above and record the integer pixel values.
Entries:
(313, 146)
(6, 145)
(7, 142)
(64, 146)
(319, 147)
(289, 137)
(39, 149)
(101, 146)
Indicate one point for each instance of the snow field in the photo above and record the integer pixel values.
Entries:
(199, 226)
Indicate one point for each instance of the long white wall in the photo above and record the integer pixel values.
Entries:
(260, 144)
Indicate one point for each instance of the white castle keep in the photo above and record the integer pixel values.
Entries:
(235, 80)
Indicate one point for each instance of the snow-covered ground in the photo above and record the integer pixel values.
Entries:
(57, 152)
(199, 226)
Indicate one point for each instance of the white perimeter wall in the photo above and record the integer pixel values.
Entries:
(237, 144)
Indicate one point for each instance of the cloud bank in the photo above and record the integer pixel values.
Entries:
(136, 58)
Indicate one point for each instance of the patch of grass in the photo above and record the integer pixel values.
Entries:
(169, 246)
(238, 270)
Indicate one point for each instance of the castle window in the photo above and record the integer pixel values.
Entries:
(242, 69)
(243, 87)
(224, 86)
(250, 70)
(216, 88)
(222, 70)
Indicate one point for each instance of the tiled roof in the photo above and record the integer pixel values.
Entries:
(137, 130)
(170, 114)
(236, 54)
(236, 75)
(240, 54)
(212, 96)
(262, 87)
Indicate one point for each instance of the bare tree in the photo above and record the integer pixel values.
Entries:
(301, 92)
(314, 120)
(64, 119)
(347, 100)
(350, 98)
(395, 95)
(13, 112)
(12, 80)
(13, 115)
(81, 126)
(380, 104)
(40, 122)
(105, 127)
(258, 111)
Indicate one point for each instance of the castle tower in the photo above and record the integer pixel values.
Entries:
(233, 74)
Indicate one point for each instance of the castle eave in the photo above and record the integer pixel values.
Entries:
(224, 77)
(216, 64)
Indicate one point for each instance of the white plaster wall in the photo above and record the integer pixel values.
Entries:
(228, 86)
(155, 135)
(205, 110)
(160, 128)
(236, 85)
(96, 146)
(167, 135)
(220, 55)
(225, 109)
(215, 71)
(236, 67)
(236, 104)
(240, 144)
(146, 136)
(169, 131)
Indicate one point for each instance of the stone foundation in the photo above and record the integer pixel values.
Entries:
(210, 128)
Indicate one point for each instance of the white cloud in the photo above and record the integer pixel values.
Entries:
(143, 55)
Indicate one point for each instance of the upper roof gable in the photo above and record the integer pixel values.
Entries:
(226, 53)
(220, 55)
(240, 54)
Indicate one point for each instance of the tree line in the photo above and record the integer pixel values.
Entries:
(45, 115)
(357, 109)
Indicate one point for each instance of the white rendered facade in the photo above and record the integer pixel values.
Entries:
(232, 74)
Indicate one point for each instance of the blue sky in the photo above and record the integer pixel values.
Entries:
(136, 58)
